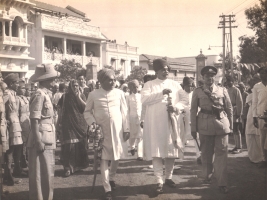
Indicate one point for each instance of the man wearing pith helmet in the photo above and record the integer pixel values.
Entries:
(213, 122)
(41, 142)
(158, 131)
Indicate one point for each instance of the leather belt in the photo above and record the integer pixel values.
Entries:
(209, 112)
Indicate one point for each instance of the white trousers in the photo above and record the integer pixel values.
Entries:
(106, 174)
(158, 168)
(139, 143)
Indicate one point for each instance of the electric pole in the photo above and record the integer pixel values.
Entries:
(227, 19)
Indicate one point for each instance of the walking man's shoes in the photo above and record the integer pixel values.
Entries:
(237, 151)
(108, 196)
(224, 189)
(159, 188)
(170, 183)
(132, 151)
(234, 149)
(112, 185)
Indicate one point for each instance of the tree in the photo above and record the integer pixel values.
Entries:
(137, 73)
(254, 49)
(250, 51)
(68, 70)
(118, 74)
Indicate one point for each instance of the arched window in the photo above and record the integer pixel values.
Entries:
(15, 28)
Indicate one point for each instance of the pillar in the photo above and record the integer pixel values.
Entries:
(200, 63)
(26, 33)
(3, 29)
(10, 30)
(83, 48)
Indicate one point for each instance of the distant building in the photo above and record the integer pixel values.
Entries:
(119, 56)
(14, 51)
(179, 67)
(63, 33)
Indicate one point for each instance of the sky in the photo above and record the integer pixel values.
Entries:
(173, 28)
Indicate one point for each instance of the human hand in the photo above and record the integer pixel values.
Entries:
(166, 91)
(92, 127)
(126, 136)
(40, 146)
(255, 122)
(171, 109)
(194, 134)
(142, 124)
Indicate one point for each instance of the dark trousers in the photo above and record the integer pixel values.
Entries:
(14, 152)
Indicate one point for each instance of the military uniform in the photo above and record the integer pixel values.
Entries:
(41, 165)
(212, 129)
(15, 140)
(24, 114)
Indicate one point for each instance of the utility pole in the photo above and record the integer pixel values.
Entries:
(227, 19)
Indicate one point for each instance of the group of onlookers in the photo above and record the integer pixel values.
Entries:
(155, 120)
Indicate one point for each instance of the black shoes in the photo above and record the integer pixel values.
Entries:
(132, 151)
(170, 183)
(234, 149)
(140, 159)
(159, 188)
(224, 189)
(112, 185)
(108, 196)
(237, 151)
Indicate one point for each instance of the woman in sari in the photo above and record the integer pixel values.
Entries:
(74, 128)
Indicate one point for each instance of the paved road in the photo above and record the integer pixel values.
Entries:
(135, 180)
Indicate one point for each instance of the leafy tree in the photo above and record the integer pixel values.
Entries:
(137, 73)
(254, 49)
(68, 70)
(250, 51)
(118, 74)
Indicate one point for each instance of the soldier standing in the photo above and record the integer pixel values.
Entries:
(237, 104)
(41, 142)
(24, 114)
(213, 123)
(14, 128)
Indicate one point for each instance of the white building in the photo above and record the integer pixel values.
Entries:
(119, 56)
(14, 45)
(63, 33)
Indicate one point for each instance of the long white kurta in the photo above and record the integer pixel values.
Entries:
(252, 136)
(134, 109)
(109, 110)
(157, 129)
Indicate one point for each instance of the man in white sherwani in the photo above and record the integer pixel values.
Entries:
(107, 107)
(158, 143)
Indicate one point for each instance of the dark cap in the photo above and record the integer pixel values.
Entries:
(159, 64)
(262, 70)
(10, 78)
(209, 70)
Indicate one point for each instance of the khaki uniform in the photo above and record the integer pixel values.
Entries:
(212, 131)
(41, 165)
(237, 103)
(15, 140)
(24, 114)
(4, 132)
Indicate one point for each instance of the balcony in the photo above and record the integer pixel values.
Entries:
(121, 48)
(55, 58)
(13, 43)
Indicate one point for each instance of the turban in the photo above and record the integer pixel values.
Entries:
(103, 74)
(10, 78)
(159, 64)
(133, 83)
(187, 81)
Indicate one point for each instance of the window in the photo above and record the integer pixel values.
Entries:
(113, 62)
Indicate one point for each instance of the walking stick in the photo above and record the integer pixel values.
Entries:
(97, 146)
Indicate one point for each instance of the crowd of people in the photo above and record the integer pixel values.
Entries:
(153, 119)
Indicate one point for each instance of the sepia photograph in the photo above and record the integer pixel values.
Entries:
(133, 99)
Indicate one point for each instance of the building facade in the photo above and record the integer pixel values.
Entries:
(119, 56)
(14, 44)
(179, 68)
(63, 33)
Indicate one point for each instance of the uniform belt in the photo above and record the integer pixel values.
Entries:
(209, 112)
